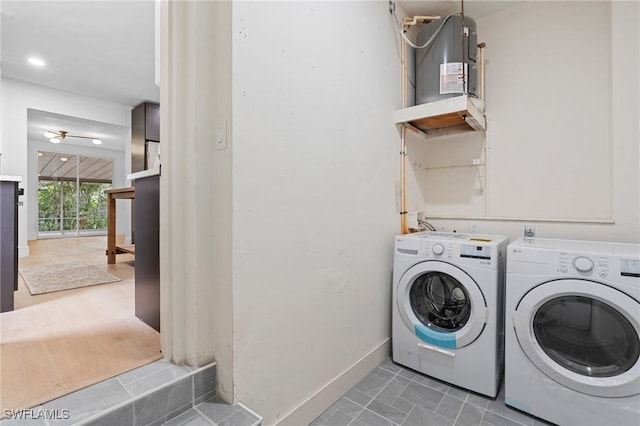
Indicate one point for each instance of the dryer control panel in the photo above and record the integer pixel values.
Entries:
(583, 264)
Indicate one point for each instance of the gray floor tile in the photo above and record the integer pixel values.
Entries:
(406, 373)
(338, 419)
(422, 417)
(470, 415)
(238, 419)
(121, 416)
(156, 379)
(143, 371)
(358, 397)
(178, 411)
(372, 419)
(348, 407)
(88, 401)
(403, 405)
(160, 403)
(492, 419)
(500, 408)
(374, 382)
(458, 393)
(422, 396)
(479, 400)
(450, 407)
(391, 366)
(432, 383)
(185, 418)
(216, 409)
(204, 381)
(392, 391)
(387, 411)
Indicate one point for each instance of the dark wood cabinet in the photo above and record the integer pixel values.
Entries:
(147, 273)
(8, 243)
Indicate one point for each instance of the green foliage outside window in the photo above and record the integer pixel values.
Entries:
(55, 197)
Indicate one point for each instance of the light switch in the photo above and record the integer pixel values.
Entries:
(221, 136)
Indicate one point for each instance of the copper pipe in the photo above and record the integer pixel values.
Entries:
(481, 46)
(404, 229)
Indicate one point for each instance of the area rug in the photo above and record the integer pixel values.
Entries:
(64, 276)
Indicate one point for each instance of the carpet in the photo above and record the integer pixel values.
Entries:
(64, 276)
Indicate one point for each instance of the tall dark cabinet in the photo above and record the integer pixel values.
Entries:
(147, 273)
(9, 193)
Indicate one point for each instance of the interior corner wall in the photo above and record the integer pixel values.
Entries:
(582, 160)
(195, 187)
(17, 98)
(314, 164)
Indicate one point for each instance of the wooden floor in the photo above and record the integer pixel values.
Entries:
(56, 343)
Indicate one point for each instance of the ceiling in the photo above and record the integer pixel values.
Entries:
(96, 48)
(473, 8)
(52, 166)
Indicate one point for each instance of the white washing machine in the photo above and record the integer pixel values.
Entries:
(448, 307)
(572, 335)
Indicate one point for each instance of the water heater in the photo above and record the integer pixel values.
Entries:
(446, 67)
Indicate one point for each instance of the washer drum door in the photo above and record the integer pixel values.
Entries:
(583, 335)
(441, 304)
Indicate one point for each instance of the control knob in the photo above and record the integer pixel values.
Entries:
(583, 264)
(438, 249)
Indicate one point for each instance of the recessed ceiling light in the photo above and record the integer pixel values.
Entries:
(36, 62)
(96, 141)
(54, 140)
(40, 154)
(63, 158)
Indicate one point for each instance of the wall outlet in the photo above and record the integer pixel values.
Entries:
(529, 231)
(474, 227)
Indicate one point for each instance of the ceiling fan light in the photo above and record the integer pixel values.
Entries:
(50, 135)
(55, 140)
(96, 141)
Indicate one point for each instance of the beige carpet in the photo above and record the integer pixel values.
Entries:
(64, 276)
(56, 343)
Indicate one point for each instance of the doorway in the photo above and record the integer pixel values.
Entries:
(71, 194)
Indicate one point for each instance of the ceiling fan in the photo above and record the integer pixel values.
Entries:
(60, 135)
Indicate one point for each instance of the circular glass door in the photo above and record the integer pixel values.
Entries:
(586, 336)
(582, 334)
(441, 304)
(441, 301)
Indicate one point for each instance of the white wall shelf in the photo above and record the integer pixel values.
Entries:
(453, 115)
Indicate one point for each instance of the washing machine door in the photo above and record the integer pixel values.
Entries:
(441, 304)
(582, 334)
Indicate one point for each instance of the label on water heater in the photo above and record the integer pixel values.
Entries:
(452, 78)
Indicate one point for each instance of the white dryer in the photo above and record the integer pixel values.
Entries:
(448, 307)
(572, 335)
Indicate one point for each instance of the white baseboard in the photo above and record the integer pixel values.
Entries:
(23, 251)
(313, 406)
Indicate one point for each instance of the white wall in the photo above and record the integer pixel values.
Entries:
(314, 165)
(17, 97)
(563, 107)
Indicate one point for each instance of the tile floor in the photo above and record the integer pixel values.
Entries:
(155, 394)
(394, 395)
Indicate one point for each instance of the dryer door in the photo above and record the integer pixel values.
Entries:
(441, 304)
(583, 335)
